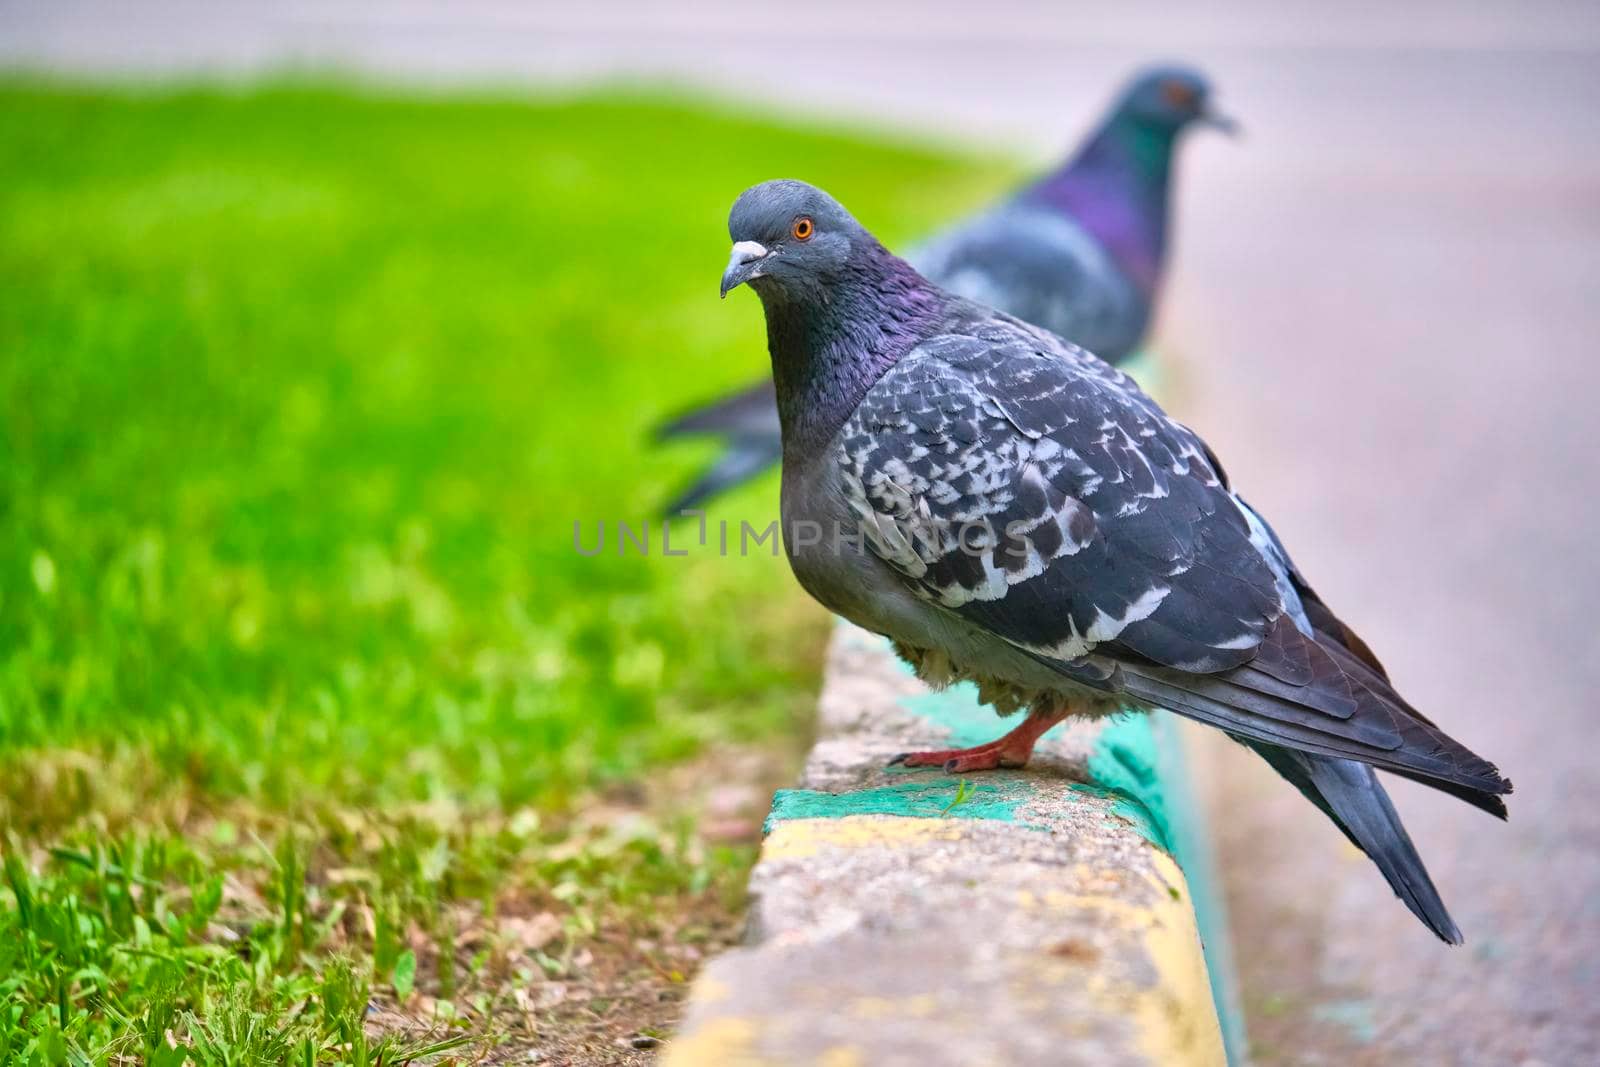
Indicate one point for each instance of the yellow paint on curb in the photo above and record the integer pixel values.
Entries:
(708, 990)
(842, 1056)
(726, 1041)
(798, 838)
(1141, 907)
(1176, 1016)
(731, 1043)
(916, 1006)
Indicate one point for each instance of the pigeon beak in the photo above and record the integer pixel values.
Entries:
(743, 264)
(1219, 122)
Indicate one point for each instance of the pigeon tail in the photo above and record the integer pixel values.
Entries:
(1314, 695)
(751, 412)
(742, 460)
(1350, 794)
(1359, 658)
(747, 423)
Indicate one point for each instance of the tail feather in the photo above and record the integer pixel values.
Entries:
(740, 461)
(751, 412)
(1230, 702)
(748, 423)
(1493, 803)
(1350, 794)
(1312, 694)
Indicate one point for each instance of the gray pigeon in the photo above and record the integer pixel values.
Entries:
(1012, 510)
(1078, 251)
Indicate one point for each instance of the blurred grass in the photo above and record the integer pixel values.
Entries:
(302, 390)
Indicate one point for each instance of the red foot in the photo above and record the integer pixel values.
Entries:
(1012, 750)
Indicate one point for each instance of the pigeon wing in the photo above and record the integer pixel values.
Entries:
(1032, 489)
(1043, 267)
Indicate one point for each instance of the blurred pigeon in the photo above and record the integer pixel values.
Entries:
(1078, 252)
(1012, 510)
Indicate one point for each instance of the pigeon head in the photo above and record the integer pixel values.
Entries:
(1167, 99)
(840, 308)
(790, 240)
(1116, 185)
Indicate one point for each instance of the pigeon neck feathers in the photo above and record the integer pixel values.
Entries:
(829, 347)
(1116, 189)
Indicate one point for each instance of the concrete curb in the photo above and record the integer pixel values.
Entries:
(1062, 914)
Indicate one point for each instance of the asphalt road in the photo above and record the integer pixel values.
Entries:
(1384, 315)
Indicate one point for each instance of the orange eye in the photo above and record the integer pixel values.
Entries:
(802, 228)
(1178, 94)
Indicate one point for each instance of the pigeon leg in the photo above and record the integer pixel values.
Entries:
(1012, 750)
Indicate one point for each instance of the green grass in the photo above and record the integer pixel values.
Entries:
(301, 680)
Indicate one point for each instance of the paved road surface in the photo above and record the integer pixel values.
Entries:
(1387, 312)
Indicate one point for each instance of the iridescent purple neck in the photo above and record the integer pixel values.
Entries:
(1116, 188)
(830, 347)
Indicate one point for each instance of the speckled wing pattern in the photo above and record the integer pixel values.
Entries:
(1036, 491)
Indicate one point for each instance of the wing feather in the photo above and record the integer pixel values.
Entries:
(1059, 508)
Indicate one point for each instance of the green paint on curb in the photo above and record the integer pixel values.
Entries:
(920, 800)
(1123, 766)
(1144, 753)
(1128, 809)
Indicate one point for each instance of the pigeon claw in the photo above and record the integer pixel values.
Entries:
(940, 758)
(1010, 751)
(986, 761)
(989, 757)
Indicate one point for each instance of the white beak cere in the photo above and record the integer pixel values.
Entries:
(743, 264)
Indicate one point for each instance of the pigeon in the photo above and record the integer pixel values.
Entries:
(1011, 510)
(1078, 251)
